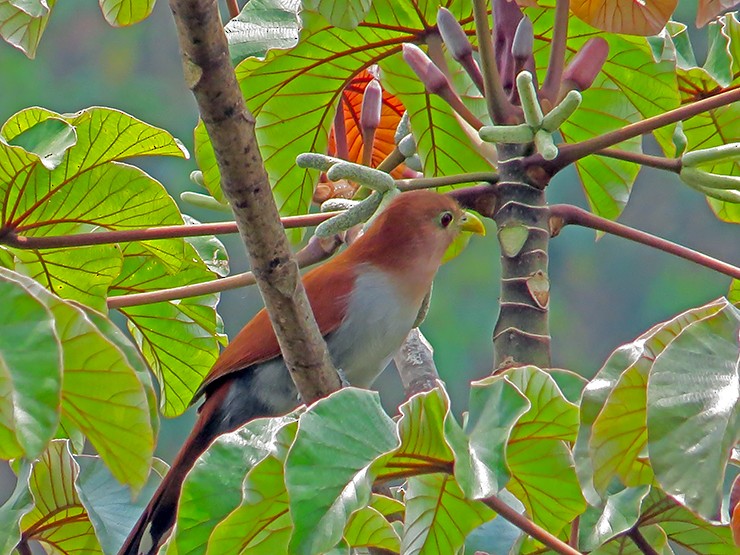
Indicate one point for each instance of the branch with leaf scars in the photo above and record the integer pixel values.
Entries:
(315, 251)
(231, 127)
(569, 153)
(565, 214)
(529, 527)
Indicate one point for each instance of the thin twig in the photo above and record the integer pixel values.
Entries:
(498, 104)
(569, 153)
(308, 255)
(642, 544)
(551, 85)
(529, 527)
(565, 214)
(152, 233)
(658, 162)
(431, 182)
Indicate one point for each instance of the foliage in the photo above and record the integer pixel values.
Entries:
(642, 452)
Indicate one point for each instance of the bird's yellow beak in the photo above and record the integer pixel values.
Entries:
(472, 223)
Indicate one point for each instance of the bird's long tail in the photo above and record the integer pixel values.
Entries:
(155, 523)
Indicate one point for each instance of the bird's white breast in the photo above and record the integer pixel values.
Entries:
(378, 320)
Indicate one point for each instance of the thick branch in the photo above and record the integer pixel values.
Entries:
(529, 527)
(551, 85)
(565, 214)
(569, 153)
(415, 364)
(245, 184)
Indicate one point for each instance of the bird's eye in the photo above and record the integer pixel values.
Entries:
(445, 219)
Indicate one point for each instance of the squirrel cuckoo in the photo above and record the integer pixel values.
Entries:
(365, 300)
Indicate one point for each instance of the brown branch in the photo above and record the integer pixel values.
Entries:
(231, 127)
(670, 164)
(415, 364)
(498, 104)
(233, 7)
(529, 527)
(565, 214)
(315, 251)
(569, 153)
(551, 85)
(642, 544)
(164, 232)
(431, 182)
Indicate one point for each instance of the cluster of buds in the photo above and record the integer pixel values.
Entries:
(721, 187)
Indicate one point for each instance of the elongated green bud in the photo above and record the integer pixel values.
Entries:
(529, 100)
(403, 129)
(728, 152)
(725, 195)
(407, 145)
(337, 204)
(518, 134)
(679, 139)
(560, 113)
(355, 215)
(382, 205)
(369, 177)
(545, 145)
(316, 161)
(414, 163)
(197, 178)
(204, 201)
(694, 176)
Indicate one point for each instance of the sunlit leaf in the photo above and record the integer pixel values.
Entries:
(653, 535)
(125, 12)
(213, 488)
(345, 15)
(326, 470)
(368, 528)
(261, 26)
(625, 16)
(22, 26)
(49, 140)
(619, 513)
(15, 507)
(709, 9)
(438, 517)
(693, 411)
(180, 338)
(30, 372)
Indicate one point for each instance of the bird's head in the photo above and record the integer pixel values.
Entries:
(415, 230)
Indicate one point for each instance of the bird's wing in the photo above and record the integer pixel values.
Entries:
(328, 288)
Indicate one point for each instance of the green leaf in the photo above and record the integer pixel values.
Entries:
(30, 371)
(734, 294)
(179, 339)
(619, 513)
(261, 26)
(345, 15)
(262, 523)
(495, 406)
(210, 250)
(693, 411)
(101, 393)
(340, 435)
(543, 473)
(624, 545)
(213, 488)
(108, 503)
(368, 528)
(14, 509)
(685, 528)
(126, 12)
(89, 190)
(58, 520)
(438, 516)
(22, 24)
(49, 140)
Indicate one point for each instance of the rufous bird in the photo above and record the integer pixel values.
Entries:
(365, 300)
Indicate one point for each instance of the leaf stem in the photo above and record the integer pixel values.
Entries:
(554, 76)
(529, 527)
(570, 153)
(565, 214)
(233, 6)
(642, 544)
(498, 104)
(431, 182)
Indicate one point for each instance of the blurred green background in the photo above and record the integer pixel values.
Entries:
(604, 293)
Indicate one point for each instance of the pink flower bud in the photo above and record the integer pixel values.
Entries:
(372, 102)
(587, 63)
(425, 69)
(455, 38)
